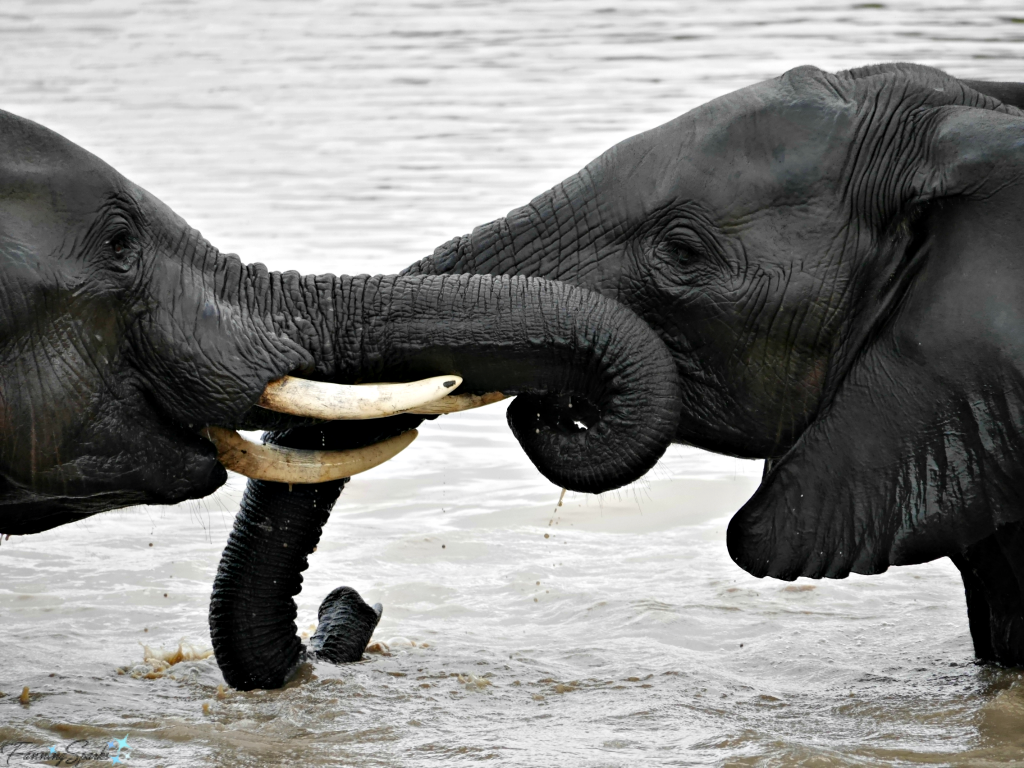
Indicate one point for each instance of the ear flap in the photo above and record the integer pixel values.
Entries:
(921, 451)
(1008, 93)
(970, 153)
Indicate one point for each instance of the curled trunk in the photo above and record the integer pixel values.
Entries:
(521, 336)
(562, 349)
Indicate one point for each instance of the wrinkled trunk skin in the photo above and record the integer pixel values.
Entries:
(252, 618)
(558, 236)
(510, 334)
(561, 349)
(252, 611)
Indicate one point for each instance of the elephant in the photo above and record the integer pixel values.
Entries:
(833, 261)
(131, 350)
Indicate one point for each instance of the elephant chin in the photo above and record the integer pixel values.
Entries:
(33, 515)
(172, 465)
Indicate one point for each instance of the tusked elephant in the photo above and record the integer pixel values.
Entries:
(836, 263)
(131, 349)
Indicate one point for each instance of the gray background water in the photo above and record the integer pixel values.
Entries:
(355, 137)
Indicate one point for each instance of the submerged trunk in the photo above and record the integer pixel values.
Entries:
(252, 611)
(562, 349)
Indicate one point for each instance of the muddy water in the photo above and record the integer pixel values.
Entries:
(611, 631)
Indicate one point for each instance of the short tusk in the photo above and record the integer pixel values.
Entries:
(289, 465)
(456, 403)
(322, 400)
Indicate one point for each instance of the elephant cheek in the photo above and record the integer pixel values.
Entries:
(166, 465)
(812, 383)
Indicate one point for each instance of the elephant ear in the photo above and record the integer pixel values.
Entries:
(920, 452)
(1007, 93)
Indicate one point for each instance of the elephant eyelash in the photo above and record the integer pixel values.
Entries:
(118, 243)
(683, 250)
(113, 238)
(693, 248)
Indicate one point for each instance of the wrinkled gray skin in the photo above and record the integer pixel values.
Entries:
(123, 333)
(836, 262)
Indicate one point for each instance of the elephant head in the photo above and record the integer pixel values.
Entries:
(835, 262)
(127, 340)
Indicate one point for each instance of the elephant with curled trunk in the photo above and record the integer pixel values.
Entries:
(131, 349)
(836, 263)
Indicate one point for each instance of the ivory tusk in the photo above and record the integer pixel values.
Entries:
(330, 402)
(456, 403)
(289, 465)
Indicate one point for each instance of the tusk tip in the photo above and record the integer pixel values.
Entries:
(456, 403)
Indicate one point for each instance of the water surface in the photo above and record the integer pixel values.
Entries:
(615, 630)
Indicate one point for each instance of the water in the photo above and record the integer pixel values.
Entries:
(611, 631)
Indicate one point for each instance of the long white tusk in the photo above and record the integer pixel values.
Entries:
(289, 465)
(456, 403)
(321, 400)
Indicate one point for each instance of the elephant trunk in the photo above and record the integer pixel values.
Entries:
(550, 238)
(252, 609)
(564, 350)
(563, 347)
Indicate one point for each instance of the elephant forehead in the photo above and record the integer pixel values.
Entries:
(42, 174)
(755, 147)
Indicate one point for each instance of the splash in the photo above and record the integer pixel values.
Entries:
(472, 682)
(384, 647)
(158, 662)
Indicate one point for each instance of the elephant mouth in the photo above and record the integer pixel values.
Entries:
(334, 402)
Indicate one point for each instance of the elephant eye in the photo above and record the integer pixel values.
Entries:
(678, 247)
(681, 250)
(681, 247)
(121, 247)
